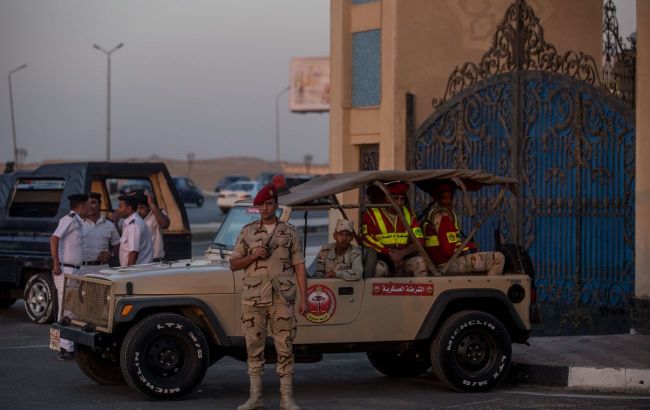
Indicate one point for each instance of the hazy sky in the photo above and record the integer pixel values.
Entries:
(195, 76)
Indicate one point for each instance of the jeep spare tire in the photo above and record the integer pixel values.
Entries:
(40, 298)
(164, 356)
(471, 351)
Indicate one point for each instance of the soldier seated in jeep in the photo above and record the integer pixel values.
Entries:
(340, 259)
(443, 237)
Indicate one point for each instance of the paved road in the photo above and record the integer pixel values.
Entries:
(207, 213)
(32, 378)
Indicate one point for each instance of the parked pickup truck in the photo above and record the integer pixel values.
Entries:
(31, 204)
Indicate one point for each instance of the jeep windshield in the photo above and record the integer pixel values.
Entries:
(237, 217)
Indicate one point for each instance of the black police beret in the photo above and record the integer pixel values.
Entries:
(78, 197)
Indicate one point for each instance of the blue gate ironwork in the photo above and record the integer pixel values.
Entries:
(544, 118)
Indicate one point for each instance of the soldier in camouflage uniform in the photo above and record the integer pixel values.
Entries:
(442, 238)
(269, 252)
(340, 259)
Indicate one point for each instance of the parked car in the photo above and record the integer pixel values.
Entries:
(188, 191)
(236, 192)
(159, 327)
(31, 204)
(229, 179)
(293, 180)
(265, 177)
(135, 187)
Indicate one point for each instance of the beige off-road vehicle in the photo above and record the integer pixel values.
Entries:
(160, 326)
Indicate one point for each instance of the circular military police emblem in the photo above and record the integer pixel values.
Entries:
(321, 303)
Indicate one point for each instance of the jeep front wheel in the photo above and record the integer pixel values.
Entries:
(471, 351)
(164, 356)
(97, 366)
(399, 364)
(40, 298)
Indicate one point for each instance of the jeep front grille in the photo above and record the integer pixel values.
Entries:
(87, 300)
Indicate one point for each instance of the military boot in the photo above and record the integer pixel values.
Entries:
(286, 394)
(255, 400)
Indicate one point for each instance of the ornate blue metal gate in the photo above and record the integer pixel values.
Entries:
(526, 111)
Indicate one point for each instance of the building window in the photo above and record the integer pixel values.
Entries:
(362, 1)
(366, 68)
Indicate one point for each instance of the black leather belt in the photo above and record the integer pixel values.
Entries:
(69, 265)
(92, 263)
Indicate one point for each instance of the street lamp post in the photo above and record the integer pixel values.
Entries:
(108, 95)
(277, 124)
(11, 106)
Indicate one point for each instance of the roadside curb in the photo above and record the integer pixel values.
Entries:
(603, 379)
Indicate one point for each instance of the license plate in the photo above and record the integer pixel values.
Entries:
(55, 339)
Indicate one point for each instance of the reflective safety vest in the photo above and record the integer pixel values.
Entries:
(394, 238)
(431, 239)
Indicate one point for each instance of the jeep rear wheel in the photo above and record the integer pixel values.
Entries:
(471, 351)
(164, 356)
(97, 366)
(40, 298)
(399, 364)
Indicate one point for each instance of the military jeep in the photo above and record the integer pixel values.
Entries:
(158, 327)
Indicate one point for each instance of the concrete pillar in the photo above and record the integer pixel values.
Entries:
(641, 311)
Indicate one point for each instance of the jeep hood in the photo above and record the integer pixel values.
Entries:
(184, 277)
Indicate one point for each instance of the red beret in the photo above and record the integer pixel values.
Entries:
(444, 186)
(397, 188)
(268, 191)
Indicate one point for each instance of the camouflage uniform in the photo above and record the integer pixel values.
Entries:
(349, 266)
(269, 293)
(442, 237)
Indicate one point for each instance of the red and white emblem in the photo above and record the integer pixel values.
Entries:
(321, 303)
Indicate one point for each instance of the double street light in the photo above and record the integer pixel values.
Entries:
(108, 95)
(11, 105)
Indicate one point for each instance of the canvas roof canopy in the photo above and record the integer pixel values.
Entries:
(331, 184)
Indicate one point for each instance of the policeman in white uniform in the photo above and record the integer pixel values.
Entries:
(157, 220)
(101, 239)
(135, 243)
(66, 246)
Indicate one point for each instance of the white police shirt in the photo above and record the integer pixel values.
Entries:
(70, 234)
(135, 237)
(156, 235)
(98, 237)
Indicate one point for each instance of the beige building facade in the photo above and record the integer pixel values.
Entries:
(383, 49)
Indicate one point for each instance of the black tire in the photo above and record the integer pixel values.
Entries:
(399, 364)
(224, 209)
(199, 202)
(97, 366)
(6, 302)
(471, 351)
(164, 356)
(40, 298)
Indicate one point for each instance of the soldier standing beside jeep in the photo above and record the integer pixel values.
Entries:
(269, 252)
(66, 244)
